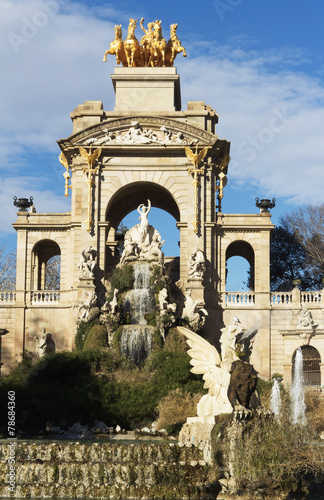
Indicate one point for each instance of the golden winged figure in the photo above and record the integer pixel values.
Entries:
(196, 157)
(66, 175)
(63, 160)
(225, 161)
(90, 157)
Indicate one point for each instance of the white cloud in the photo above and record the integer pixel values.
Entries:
(59, 65)
(273, 121)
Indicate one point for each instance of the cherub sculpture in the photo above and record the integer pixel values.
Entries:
(227, 390)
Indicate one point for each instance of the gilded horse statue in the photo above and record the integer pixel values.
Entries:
(159, 46)
(117, 47)
(132, 47)
(174, 46)
(152, 51)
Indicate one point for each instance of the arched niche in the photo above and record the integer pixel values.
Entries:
(124, 201)
(128, 198)
(45, 268)
(311, 365)
(240, 248)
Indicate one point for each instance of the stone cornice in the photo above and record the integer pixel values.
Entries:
(190, 132)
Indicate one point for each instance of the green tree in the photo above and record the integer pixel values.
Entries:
(297, 250)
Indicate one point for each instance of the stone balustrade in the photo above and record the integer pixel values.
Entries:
(7, 297)
(281, 298)
(45, 297)
(276, 299)
(311, 297)
(239, 298)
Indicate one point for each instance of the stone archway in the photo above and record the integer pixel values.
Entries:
(124, 201)
(311, 365)
(131, 196)
(43, 251)
(241, 248)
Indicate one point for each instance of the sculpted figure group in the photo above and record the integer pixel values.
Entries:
(142, 242)
(153, 50)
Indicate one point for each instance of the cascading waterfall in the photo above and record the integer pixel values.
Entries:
(136, 342)
(137, 338)
(275, 400)
(139, 301)
(297, 393)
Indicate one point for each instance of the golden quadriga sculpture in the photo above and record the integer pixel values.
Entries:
(153, 50)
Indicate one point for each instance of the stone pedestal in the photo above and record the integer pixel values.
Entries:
(197, 289)
(147, 89)
(197, 431)
(85, 288)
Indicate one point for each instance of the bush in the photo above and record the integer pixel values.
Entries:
(96, 384)
(278, 454)
(175, 341)
(122, 278)
(83, 330)
(315, 410)
(97, 338)
(175, 408)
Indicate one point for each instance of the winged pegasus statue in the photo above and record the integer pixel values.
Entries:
(207, 362)
(231, 382)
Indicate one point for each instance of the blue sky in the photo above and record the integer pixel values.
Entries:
(259, 64)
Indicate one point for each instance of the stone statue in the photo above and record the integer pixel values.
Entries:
(136, 134)
(242, 390)
(164, 304)
(48, 345)
(144, 225)
(130, 251)
(88, 310)
(142, 242)
(196, 264)
(230, 385)
(194, 311)
(206, 361)
(114, 302)
(228, 343)
(305, 318)
(87, 262)
(44, 344)
(155, 249)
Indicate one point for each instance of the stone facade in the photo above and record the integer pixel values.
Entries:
(143, 157)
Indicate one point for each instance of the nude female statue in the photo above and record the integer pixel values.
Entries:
(144, 226)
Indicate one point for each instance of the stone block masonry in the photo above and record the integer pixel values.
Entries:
(104, 470)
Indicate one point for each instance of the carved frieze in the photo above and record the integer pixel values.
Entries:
(144, 130)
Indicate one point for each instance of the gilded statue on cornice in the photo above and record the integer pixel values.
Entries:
(153, 50)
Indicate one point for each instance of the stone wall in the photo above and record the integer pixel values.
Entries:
(104, 470)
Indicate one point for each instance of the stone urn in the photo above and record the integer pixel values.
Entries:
(265, 205)
(23, 203)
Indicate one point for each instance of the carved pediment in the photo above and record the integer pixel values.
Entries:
(143, 131)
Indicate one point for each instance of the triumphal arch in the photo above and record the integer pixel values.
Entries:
(148, 147)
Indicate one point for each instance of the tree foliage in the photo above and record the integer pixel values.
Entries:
(7, 269)
(53, 273)
(297, 250)
(307, 224)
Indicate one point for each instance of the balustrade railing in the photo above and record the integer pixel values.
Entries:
(45, 297)
(8, 297)
(310, 297)
(239, 298)
(279, 298)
